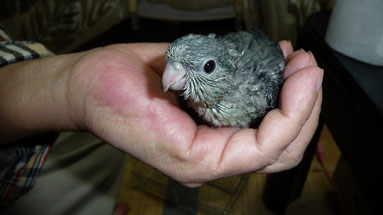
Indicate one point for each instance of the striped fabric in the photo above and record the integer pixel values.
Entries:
(11, 51)
(21, 162)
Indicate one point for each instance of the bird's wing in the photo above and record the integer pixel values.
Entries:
(259, 67)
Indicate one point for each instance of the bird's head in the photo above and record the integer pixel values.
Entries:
(200, 66)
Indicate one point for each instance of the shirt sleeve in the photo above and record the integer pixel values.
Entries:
(14, 51)
(21, 162)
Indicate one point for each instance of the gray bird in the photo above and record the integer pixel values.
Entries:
(230, 80)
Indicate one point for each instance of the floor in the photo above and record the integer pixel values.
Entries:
(318, 195)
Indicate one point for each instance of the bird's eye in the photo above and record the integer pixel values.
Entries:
(209, 66)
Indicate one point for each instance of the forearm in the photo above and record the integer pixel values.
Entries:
(33, 97)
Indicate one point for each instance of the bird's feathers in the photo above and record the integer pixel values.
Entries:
(230, 80)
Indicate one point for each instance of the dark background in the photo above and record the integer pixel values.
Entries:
(157, 31)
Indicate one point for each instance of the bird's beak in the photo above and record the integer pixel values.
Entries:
(174, 77)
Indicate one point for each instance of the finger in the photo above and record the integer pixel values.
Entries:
(286, 47)
(292, 55)
(249, 150)
(297, 147)
(298, 60)
(294, 152)
(298, 97)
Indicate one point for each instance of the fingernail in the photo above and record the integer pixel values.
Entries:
(294, 54)
(289, 41)
(320, 79)
(312, 60)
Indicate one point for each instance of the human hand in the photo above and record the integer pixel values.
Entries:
(123, 103)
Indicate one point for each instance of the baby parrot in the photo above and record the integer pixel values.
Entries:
(229, 80)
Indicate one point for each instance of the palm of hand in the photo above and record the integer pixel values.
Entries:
(123, 103)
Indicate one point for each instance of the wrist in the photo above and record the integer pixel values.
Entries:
(34, 97)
